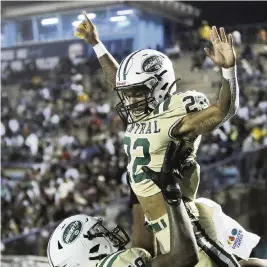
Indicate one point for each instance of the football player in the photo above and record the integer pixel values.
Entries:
(155, 114)
(84, 241)
(241, 243)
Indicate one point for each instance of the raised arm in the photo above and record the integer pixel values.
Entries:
(183, 247)
(87, 30)
(207, 120)
(183, 251)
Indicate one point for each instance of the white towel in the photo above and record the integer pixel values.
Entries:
(232, 235)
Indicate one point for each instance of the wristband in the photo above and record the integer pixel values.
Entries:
(229, 74)
(100, 49)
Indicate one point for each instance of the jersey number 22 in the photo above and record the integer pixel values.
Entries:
(138, 161)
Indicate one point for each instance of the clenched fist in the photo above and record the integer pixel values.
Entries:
(87, 30)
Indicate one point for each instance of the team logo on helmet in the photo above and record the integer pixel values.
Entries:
(72, 231)
(152, 64)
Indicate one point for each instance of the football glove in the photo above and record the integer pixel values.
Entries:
(171, 171)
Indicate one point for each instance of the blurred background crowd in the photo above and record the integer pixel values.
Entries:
(62, 151)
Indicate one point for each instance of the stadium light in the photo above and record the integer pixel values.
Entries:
(122, 24)
(125, 12)
(117, 18)
(90, 16)
(49, 21)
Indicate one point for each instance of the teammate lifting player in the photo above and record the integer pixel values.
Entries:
(84, 241)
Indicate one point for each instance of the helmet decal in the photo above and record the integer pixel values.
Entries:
(152, 64)
(72, 231)
(59, 246)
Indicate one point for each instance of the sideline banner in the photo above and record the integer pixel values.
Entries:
(47, 55)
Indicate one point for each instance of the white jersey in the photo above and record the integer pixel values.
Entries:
(133, 257)
(145, 142)
(137, 257)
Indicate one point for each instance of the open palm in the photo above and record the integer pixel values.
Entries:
(223, 53)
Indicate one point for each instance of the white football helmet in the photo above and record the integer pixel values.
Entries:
(144, 79)
(83, 241)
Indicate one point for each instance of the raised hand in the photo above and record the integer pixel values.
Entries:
(87, 30)
(223, 53)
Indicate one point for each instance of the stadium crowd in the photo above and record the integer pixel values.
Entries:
(67, 137)
(247, 131)
(62, 134)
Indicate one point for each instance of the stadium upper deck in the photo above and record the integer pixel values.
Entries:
(35, 22)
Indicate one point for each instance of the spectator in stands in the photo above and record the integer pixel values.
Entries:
(198, 59)
(173, 52)
(247, 53)
(237, 38)
(255, 140)
(159, 48)
(7, 74)
(262, 36)
(204, 33)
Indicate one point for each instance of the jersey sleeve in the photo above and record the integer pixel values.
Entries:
(201, 101)
(188, 102)
(180, 105)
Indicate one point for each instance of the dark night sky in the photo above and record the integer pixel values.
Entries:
(220, 13)
(224, 13)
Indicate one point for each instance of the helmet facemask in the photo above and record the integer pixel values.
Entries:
(118, 237)
(142, 93)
